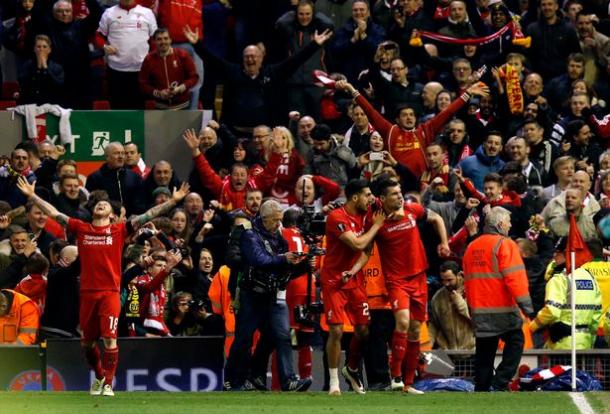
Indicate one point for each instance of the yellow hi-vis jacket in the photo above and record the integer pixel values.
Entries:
(557, 309)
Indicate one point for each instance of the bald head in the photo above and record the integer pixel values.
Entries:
(428, 94)
(581, 181)
(207, 138)
(252, 60)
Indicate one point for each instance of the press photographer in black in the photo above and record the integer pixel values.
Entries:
(267, 268)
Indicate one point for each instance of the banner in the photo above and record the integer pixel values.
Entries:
(146, 364)
(20, 369)
(93, 130)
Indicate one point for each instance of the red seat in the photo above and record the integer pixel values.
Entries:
(10, 91)
(101, 105)
(149, 104)
(7, 104)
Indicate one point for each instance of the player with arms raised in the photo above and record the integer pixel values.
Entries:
(100, 247)
(342, 282)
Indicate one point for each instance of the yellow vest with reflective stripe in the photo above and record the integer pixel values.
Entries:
(588, 307)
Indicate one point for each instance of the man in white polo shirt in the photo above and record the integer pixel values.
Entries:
(126, 28)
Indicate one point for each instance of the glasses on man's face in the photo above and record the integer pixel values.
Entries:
(461, 69)
(64, 11)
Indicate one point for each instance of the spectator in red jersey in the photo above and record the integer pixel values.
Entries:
(290, 168)
(167, 74)
(342, 282)
(230, 191)
(405, 139)
(175, 15)
(152, 293)
(34, 284)
(100, 246)
(133, 159)
(406, 276)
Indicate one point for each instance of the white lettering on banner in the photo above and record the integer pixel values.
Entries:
(136, 379)
(100, 140)
(131, 383)
(163, 384)
(212, 380)
(127, 136)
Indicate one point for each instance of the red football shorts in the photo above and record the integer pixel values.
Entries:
(345, 305)
(99, 314)
(410, 293)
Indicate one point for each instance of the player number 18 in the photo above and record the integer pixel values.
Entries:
(114, 322)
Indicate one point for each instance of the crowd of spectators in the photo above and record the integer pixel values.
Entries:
(440, 118)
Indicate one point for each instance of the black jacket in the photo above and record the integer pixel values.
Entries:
(249, 102)
(551, 45)
(122, 185)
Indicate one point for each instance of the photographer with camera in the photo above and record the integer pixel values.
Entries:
(266, 270)
(193, 317)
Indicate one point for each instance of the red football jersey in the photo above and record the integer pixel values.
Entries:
(400, 247)
(339, 256)
(100, 250)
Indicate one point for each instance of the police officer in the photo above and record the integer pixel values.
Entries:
(557, 313)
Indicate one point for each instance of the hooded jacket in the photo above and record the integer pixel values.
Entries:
(477, 166)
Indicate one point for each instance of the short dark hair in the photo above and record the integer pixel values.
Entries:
(450, 265)
(576, 57)
(495, 133)
(159, 31)
(354, 187)
(291, 217)
(321, 132)
(238, 165)
(382, 186)
(36, 263)
(402, 107)
(57, 246)
(574, 127)
(493, 177)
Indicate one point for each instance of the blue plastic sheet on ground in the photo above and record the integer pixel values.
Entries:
(584, 382)
(444, 384)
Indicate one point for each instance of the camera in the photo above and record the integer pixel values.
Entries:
(312, 225)
(308, 314)
(201, 304)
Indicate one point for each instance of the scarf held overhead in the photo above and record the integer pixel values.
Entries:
(518, 38)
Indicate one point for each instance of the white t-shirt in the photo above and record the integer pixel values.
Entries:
(128, 31)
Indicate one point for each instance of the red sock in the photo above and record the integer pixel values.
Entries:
(275, 373)
(399, 348)
(93, 359)
(409, 364)
(355, 353)
(305, 361)
(111, 359)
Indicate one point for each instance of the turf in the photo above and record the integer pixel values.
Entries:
(599, 401)
(275, 403)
